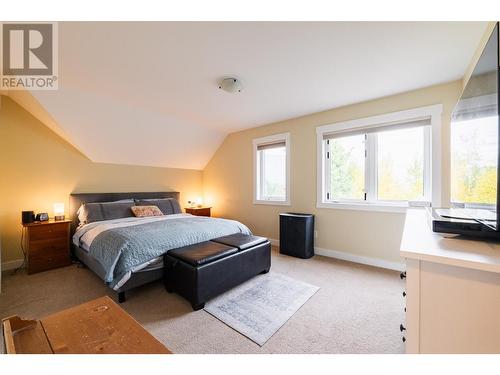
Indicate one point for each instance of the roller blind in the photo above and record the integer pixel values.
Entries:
(413, 123)
(267, 146)
(476, 107)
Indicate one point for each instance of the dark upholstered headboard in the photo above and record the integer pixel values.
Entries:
(77, 199)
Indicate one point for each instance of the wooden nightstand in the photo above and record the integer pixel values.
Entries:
(47, 245)
(198, 211)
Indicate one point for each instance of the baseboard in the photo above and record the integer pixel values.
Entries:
(13, 264)
(375, 262)
(274, 242)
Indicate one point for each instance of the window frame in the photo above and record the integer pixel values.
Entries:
(327, 185)
(257, 169)
(432, 160)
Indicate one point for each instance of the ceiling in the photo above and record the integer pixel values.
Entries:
(146, 93)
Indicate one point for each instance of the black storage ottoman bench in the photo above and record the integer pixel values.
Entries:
(202, 271)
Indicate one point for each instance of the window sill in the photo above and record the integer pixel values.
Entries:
(374, 207)
(272, 203)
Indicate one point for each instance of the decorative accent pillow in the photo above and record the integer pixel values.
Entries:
(145, 211)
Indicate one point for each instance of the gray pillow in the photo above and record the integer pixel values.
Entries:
(91, 212)
(118, 210)
(128, 200)
(176, 207)
(167, 206)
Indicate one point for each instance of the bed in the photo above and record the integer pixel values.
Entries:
(127, 252)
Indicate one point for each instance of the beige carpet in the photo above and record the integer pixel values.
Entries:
(357, 310)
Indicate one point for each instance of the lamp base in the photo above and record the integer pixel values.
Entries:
(59, 217)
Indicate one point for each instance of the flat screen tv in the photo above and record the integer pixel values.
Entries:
(475, 189)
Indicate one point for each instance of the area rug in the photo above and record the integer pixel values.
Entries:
(262, 305)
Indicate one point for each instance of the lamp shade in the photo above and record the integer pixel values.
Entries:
(59, 211)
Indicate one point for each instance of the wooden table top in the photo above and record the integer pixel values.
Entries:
(47, 222)
(99, 326)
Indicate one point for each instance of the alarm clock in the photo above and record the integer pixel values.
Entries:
(42, 216)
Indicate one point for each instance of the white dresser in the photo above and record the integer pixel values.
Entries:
(452, 291)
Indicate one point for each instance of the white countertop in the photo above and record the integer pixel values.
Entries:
(421, 243)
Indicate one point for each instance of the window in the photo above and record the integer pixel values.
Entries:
(400, 164)
(272, 169)
(474, 158)
(474, 152)
(381, 163)
(346, 166)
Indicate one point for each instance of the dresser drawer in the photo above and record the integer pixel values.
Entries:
(45, 232)
(46, 261)
(52, 246)
(203, 211)
(47, 245)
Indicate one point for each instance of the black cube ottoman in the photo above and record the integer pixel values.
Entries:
(202, 271)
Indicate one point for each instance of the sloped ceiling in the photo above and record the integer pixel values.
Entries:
(146, 93)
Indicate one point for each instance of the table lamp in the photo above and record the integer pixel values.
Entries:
(58, 211)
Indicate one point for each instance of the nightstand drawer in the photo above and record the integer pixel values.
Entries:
(43, 262)
(47, 245)
(59, 245)
(198, 211)
(44, 232)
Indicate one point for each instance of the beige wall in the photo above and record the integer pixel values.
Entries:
(228, 178)
(38, 168)
(478, 52)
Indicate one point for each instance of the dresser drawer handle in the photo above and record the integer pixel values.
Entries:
(404, 294)
(402, 275)
(402, 328)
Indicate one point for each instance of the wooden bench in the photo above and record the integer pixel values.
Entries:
(96, 327)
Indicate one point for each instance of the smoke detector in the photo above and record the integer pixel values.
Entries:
(231, 85)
